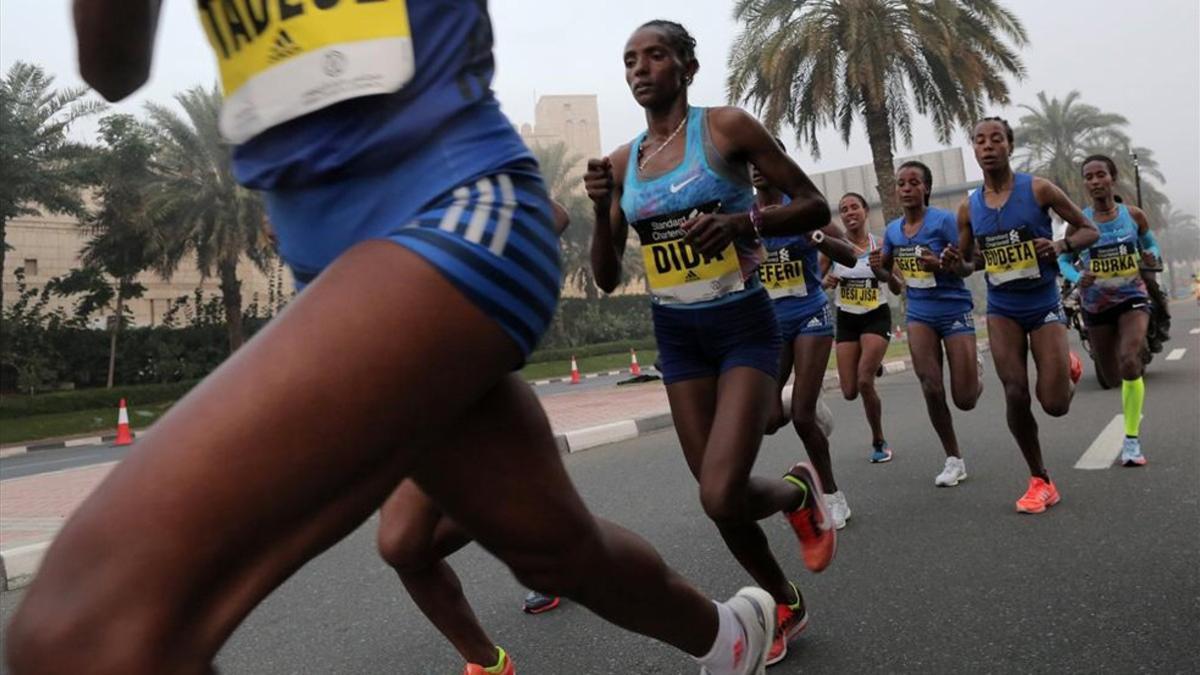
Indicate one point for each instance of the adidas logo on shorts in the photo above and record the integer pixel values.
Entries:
(1051, 317)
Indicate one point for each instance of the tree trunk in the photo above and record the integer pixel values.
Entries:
(879, 134)
(231, 297)
(3, 255)
(112, 344)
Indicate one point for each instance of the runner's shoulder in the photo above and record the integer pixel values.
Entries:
(620, 161)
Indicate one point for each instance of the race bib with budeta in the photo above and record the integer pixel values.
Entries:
(679, 274)
(908, 261)
(285, 58)
(782, 276)
(1115, 264)
(858, 296)
(1010, 256)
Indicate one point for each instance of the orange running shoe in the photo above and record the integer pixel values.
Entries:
(1076, 367)
(508, 669)
(790, 621)
(812, 522)
(1040, 495)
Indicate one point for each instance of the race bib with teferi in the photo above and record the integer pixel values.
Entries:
(782, 275)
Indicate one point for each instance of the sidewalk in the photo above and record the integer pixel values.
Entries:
(33, 508)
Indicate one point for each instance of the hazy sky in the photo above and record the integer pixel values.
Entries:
(1139, 59)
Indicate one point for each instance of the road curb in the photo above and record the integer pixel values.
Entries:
(10, 450)
(18, 565)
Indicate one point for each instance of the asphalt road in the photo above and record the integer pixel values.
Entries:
(926, 580)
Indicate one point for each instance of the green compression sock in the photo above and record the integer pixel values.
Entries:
(1133, 394)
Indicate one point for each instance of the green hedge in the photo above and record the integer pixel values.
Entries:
(564, 353)
(16, 405)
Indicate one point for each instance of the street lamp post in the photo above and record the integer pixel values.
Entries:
(1137, 178)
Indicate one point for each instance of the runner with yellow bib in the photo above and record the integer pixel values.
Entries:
(417, 224)
(1008, 220)
(683, 186)
(864, 320)
(1116, 303)
(940, 309)
(792, 277)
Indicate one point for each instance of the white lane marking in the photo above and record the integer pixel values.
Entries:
(1104, 450)
(1194, 331)
(1176, 354)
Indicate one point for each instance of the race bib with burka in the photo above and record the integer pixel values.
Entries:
(1115, 264)
(679, 274)
(1010, 256)
(281, 59)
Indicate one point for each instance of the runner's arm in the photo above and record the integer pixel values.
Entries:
(835, 247)
(604, 184)
(562, 219)
(115, 44)
(1146, 238)
(742, 139)
(966, 239)
(1066, 266)
(1081, 232)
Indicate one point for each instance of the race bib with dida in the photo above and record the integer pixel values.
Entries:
(679, 274)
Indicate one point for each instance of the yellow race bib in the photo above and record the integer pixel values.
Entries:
(782, 276)
(280, 59)
(858, 296)
(908, 261)
(1010, 256)
(679, 274)
(1114, 265)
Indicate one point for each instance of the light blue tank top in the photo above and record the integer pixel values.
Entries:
(1115, 260)
(655, 207)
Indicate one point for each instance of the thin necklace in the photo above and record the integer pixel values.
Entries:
(645, 160)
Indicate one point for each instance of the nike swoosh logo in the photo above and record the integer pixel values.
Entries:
(676, 188)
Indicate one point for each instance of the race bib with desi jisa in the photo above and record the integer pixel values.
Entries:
(1010, 256)
(858, 296)
(280, 59)
(677, 273)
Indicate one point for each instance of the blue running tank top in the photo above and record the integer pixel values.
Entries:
(439, 53)
(931, 296)
(676, 274)
(1115, 260)
(1017, 280)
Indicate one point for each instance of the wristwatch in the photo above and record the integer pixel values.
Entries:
(817, 237)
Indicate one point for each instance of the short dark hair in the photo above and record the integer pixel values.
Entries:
(678, 38)
(1112, 166)
(1008, 132)
(861, 199)
(926, 175)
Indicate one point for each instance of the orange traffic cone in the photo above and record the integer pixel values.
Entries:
(634, 368)
(574, 371)
(124, 435)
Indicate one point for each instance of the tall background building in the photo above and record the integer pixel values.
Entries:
(573, 120)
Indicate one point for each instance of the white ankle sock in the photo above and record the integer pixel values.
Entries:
(720, 660)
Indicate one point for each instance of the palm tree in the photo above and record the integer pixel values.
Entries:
(816, 63)
(201, 207)
(39, 165)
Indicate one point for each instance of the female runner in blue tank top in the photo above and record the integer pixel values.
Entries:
(684, 188)
(406, 203)
(1115, 300)
(792, 276)
(1008, 220)
(940, 309)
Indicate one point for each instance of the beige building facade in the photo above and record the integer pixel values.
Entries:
(950, 184)
(48, 246)
(573, 120)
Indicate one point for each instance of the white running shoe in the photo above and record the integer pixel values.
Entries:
(954, 472)
(755, 611)
(839, 510)
(824, 417)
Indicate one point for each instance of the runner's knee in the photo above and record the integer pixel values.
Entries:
(964, 401)
(1017, 394)
(1131, 366)
(866, 382)
(849, 390)
(404, 548)
(934, 390)
(722, 501)
(1056, 404)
